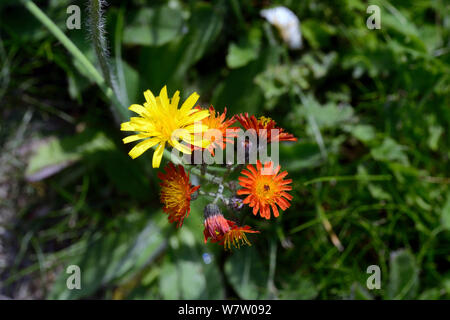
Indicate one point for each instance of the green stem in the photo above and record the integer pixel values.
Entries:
(97, 33)
(96, 24)
(237, 11)
(118, 56)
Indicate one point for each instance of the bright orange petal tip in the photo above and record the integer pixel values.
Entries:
(265, 189)
(215, 223)
(217, 131)
(176, 193)
(263, 127)
(224, 231)
(236, 236)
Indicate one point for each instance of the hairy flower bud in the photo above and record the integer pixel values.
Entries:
(215, 223)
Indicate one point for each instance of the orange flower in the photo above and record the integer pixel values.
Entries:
(216, 121)
(263, 127)
(176, 192)
(265, 191)
(235, 234)
(224, 231)
(215, 223)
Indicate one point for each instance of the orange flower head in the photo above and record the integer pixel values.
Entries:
(224, 231)
(265, 189)
(263, 127)
(219, 124)
(236, 236)
(215, 223)
(176, 192)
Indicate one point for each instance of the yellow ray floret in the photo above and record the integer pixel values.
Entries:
(160, 122)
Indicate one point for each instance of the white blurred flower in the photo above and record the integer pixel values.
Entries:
(287, 24)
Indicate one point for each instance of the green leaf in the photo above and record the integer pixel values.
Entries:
(390, 150)
(132, 82)
(123, 172)
(299, 288)
(435, 134)
(327, 116)
(277, 80)
(320, 63)
(300, 155)
(403, 276)
(246, 273)
(430, 294)
(153, 26)
(185, 275)
(21, 26)
(317, 33)
(445, 215)
(57, 154)
(238, 89)
(363, 132)
(360, 293)
(246, 50)
(378, 193)
(169, 283)
(239, 56)
(169, 64)
(110, 257)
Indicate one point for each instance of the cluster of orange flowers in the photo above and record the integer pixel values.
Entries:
(263, 187)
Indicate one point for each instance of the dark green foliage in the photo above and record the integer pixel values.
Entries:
(371, 167)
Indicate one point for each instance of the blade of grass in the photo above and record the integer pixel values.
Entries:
(383, 177)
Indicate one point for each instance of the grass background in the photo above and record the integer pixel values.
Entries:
(370, 170)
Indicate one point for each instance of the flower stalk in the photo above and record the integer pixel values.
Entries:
(97, 33)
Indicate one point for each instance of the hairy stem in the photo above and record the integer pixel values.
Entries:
(97, 32)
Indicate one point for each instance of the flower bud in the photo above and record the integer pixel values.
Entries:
(236, 203)
(215, 223)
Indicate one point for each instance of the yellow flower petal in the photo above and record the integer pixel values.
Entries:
(140, 110)
(135, 137)
(127, 126)
(164, 98)
(141, 147)
(181, 147)
(200, 115)
(158, 155)
(150, 98)
(175, 100)
(196, 128)
(197, 141)
(189, 103)
(159, 117)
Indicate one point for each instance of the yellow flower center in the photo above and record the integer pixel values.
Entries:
(265, 120)
(175, 195)
(265, 188)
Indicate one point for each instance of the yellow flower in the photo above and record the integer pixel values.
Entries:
(160, 122)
